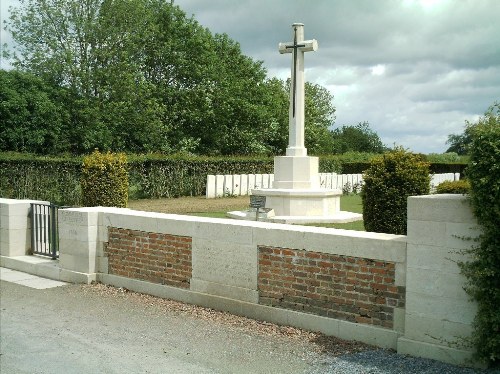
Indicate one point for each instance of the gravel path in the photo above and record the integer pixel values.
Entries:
(102, 329)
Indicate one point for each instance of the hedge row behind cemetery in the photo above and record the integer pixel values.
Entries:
(57, 179)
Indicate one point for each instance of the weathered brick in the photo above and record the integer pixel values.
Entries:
(155, 257)
(335, 286)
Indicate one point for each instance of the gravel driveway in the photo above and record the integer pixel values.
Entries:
(100, 329)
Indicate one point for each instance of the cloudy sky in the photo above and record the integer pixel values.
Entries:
(416, 70)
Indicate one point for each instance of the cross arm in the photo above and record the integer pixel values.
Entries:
(304, 46)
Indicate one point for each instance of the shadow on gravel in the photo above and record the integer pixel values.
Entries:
(388, 362)
(336, 347)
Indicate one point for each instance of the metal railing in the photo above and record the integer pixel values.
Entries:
(44, 230)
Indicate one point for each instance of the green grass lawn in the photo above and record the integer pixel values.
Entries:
(350, 203)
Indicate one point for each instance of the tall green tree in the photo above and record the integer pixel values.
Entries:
(142, 76)
(33, 118)
(90, 48)
(319, 116)
(358, 138)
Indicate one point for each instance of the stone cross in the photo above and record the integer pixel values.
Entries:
(296, 112)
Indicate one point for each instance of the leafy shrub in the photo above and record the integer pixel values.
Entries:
(105, 180)
(461, 186)
(483, 270)
(23, 176)
(388, 182)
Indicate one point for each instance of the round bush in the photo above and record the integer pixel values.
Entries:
(461, 186)
(388, 182)
(105, 180)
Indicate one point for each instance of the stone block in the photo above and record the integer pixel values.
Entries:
(180, 225)
(102, 265)
(439, 307)
(434, 351)
(219, 185)
(378, 336)
(232, 231)
(78, 216)
(279, 235)
(434, 330)
(296, 172)
(399, 320)
(225, 263)
(440, 208)
(434, 258)
(15, 222)
(244, 185)
(461, 235)
(311, 322)
(218, 289)
(15, 242)
(427, 232)
(400, 275)
(437, 283)
(77, 277)
(49, 270)
(139, 221)
(76, 247)
(79, 263)
(78, 233)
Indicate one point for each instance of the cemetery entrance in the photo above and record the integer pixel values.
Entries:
(44, 231)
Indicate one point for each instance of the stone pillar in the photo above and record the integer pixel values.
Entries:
(78, 244)
(438, 310)
(15, 227)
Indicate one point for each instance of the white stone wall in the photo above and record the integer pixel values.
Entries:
(225, 266)
(438, 311)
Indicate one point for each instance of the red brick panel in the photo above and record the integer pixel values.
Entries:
(349, 288)
(152, 257)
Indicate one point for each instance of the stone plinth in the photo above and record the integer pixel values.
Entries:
(305, 206)
(296, 172)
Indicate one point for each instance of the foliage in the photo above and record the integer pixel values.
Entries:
(46, 179)
(461, 186)
(57, 179)
(459, 143)
(388, 182)
(319, 116)
(448, 157)
(34, 118)
(358, 138)
(176, 176)
(105, 180)
(483, 269)
(142, 76)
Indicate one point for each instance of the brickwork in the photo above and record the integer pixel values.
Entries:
(152, 257)
(349, 288)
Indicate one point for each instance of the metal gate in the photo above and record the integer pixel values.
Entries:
(44, 233)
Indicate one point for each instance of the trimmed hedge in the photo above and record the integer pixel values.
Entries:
(54, 180)
(105, 180)
(461, 186)
(24, 176)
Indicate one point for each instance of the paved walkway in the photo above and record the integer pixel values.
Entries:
(28, 280)
(50, 327)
